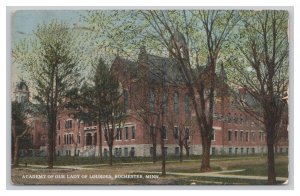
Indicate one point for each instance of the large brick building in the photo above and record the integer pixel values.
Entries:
(235, 132)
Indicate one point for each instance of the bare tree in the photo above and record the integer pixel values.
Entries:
(264, 78)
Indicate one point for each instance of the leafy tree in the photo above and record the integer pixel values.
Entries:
(263, 44)
(51, 63)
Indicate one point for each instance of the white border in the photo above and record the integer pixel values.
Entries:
(153, 4)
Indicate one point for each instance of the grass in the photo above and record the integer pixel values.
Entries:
(261, 170)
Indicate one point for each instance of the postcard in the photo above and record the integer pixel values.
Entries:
(150, 97)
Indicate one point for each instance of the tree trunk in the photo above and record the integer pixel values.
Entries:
(100, 140)
(51, 131)
(154, 153)
(187, 152)
(163, 161)
(110, 155)
(271, 163)
(16, 152)
(181, 153)
(205, 164)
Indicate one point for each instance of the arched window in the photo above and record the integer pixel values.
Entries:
(125, 93)
(176, 103)
(187, 103)
(152, 100)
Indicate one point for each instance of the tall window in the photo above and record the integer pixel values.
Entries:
(151, 100)
(176, 133)
(236, 135)
(68, 124)
(241, 136)
(126, 133)
(176, 103)
(59, 140)
(125, 100)
(241, 119)
(65, 139)
(78, 139)
(132, 132)
(165, 103)
(187, 103)
(235, 118)
(247, 136)
(213, 135)
(229, 117)
(119, 134)
(164, 132)
(252, 136)
(229, 135)
(152, 131)
(187, 133)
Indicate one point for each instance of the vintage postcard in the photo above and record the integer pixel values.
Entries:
(150, 97)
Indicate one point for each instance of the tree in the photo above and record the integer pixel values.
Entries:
(264, 79)
(53, 68)
(112, 110)
(20, 131)
(188, 37)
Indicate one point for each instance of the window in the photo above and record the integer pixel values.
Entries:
(236, 151)
(152, 100)
(125, 100)
(65, 139)
(241, 119)
(242, 150)
(58, 125)
(59, 140)
(236, 135)
(235, 118)
(261, 136)
(176, 103)
(229, 117)
(229, 135)
(241, 136)
(126, 133)
(213, 151)
(78, 139)
(126, 154)
(247, 136)
(105, 134)
(187, 103)
(132, 132)
(119, 134)
(176, 133)
(213, 135)
(166, 151)
(252, 136)
(68, 124)
(152, 131)
(165, 103)
(132, 152)
(187, 133)
(72, 139)
(176, 151)
(164, 132)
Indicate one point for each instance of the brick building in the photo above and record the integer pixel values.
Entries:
(235, 132)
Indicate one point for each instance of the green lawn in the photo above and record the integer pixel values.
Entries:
(261, 170)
